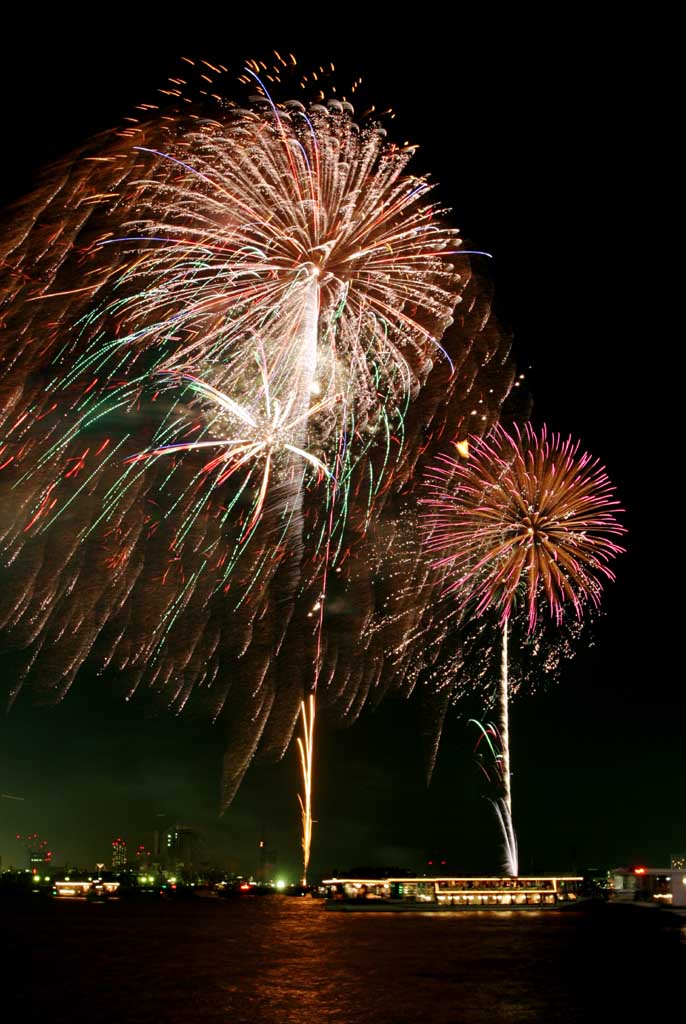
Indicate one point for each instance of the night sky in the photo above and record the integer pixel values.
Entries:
(542, 154)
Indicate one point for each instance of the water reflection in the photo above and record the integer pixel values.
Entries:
(287, 961)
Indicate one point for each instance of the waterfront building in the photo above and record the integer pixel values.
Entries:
(650, 885)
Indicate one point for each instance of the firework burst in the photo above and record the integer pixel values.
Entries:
(300, 227)
(521, 516)
(137, 283)
(267, 436)
(524, 515)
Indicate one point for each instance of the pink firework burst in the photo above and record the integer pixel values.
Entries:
(524, 516)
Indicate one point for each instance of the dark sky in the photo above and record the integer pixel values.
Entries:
(545, 152)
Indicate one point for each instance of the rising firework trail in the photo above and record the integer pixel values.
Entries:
(306, 755)
(499, 776)
(200, 523)
(521, 519)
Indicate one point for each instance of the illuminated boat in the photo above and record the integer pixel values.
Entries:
(434, 894)
(81, 889)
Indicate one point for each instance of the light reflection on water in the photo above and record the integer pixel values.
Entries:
(277, 960)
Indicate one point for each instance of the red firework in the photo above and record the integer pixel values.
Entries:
(524, 514)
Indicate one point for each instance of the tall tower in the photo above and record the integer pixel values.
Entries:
(119, 854)
(266, 861)
(263, 866)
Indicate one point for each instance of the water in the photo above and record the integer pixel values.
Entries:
(279, 960)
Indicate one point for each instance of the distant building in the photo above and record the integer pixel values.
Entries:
(119, 854)
(181, 848)
(678, 861)
(39, 861)
(142, 856)
(37, 852)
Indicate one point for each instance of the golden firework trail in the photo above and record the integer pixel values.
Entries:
(306, 753)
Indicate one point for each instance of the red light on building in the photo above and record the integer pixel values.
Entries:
(640, 871)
